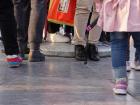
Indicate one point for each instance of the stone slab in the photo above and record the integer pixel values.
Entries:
(67, 50)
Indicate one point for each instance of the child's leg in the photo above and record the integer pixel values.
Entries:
(119, 47)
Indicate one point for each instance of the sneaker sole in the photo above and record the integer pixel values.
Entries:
(119, 91)
(14, 65)
(136, 69)
(36, 60)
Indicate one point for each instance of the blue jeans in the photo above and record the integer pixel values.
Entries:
(119, 51)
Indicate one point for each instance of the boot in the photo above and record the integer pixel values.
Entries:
(36, 56)
(80, 53)
(93, 52)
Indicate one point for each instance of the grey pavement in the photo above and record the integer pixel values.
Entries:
(67, 49)
(64, 81)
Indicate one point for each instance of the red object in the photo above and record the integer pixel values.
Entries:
(62, 11)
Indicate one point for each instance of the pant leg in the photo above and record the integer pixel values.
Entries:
(136, 38)
(83, 8)
(102, 37)
(46, 20)
(36, 24)
(53, 27)
(22, 13)
(8, 27)
(119, 51)
(94, 34)
(68, 29)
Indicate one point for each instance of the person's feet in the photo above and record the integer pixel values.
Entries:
(14, 60)
(93, 52)
(36, 56)
(120, 87)
(136, 65)
(24, 54)
(80, 54)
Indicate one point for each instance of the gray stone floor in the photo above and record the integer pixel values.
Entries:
(67, 49)
(64, 81)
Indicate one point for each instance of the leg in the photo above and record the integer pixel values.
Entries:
(83, 8)
(22, 12)
(119, 47)
(8, 27)
(53, 27)
(119, 51)
(46, 21)
(135, 36)
(36, 25)
(93, 38)
(9, 33)
(80, 22)
(68, 32)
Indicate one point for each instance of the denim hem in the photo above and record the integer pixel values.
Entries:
(120, 72)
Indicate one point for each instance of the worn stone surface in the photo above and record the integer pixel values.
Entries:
(63, 81)
(67, 50)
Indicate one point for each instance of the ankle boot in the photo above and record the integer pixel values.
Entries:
(93, 52)
(36, 56)
(80, 53)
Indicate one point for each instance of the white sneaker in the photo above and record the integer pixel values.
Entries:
(136, 65)
(120, 87)
(128, 66)
(56, 37)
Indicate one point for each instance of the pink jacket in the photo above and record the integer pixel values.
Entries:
(119, 15)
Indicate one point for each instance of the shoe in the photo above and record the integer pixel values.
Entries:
(128, 66)
(36, 56)
(58, 38)
(136, 66)
(93, 52)
(69, 35)
(120, 86)
(24, 56)
(14, 60)
(80, 54)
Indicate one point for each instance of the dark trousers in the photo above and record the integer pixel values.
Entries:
(8, 27)
(53, 27)
(69, 29)
(30, 17)
(22, 15)
(105, 36)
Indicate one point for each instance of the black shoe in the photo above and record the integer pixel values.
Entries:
(93, 52)
(80, 53)
(36, 56)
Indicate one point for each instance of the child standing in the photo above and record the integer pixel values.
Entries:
(121, 19)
